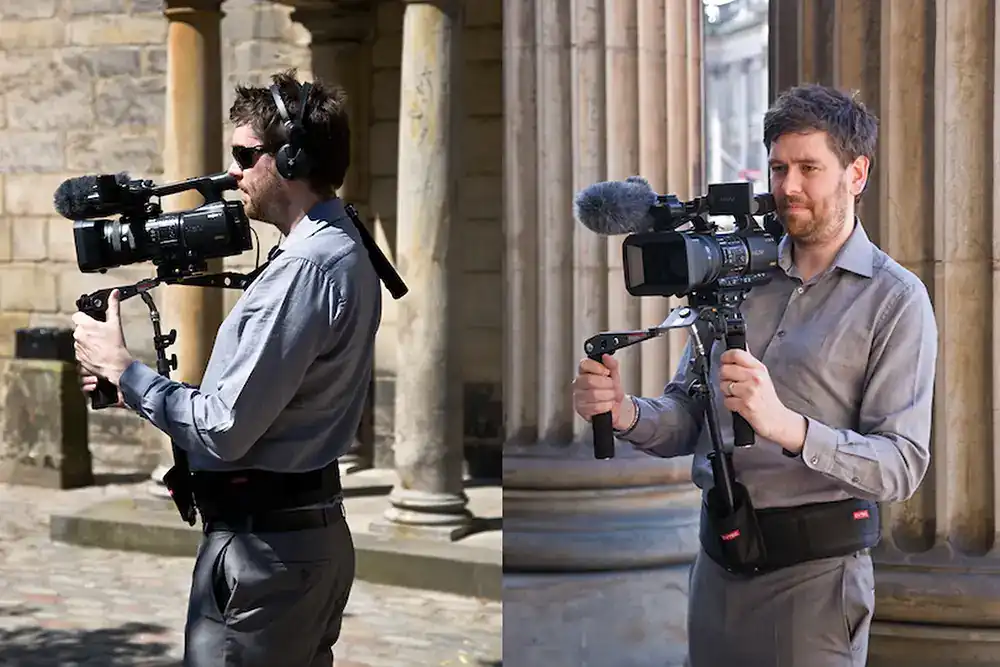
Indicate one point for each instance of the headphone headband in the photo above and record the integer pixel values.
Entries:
(292, 160)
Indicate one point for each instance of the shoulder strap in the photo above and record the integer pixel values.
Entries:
(250, 277)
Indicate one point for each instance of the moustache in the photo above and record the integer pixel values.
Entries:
(785, 203)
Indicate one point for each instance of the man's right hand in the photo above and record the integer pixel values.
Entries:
(89, 383)
(597, 389)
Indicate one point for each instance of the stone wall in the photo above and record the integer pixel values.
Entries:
(82, 90)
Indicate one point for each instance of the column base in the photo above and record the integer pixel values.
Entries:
(634, 618)
(353, 460)
(425, 515)
(914, 645)
(156, 487)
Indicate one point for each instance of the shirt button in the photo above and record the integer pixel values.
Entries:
(856, 480)
(814, 460)
(780, 334)
(800, 290)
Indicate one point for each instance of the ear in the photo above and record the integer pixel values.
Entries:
(857, 174)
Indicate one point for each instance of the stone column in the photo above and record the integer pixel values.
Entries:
(592, 549)
(192, 147)
(429, 497)
(341, 54)
(929, 74)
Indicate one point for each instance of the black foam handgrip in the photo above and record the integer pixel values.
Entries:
(604, 436)
(104, 395)
(743, 434)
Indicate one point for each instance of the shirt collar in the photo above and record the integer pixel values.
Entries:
(857, 255)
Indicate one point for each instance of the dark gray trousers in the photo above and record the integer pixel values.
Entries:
(815, 614)
(265, 599)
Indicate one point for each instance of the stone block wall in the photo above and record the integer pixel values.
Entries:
(82, 90)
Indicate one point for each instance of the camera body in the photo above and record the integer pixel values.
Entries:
(178, 243)
(667, 262)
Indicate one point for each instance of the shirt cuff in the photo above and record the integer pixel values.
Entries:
(644, 427)
(134, 382)
(820, 449)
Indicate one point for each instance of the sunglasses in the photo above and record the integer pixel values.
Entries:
(246, 156)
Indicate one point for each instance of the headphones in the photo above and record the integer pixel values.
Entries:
(291, 160)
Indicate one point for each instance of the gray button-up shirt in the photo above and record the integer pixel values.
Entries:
(287, 380)
(854, 351)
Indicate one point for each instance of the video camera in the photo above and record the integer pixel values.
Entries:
(659, 260)
(667, 262)
(179, 243)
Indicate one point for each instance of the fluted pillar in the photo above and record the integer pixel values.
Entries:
(929, 72)
(192, 146)
(596, 553)
(340, 47)
(429, 498)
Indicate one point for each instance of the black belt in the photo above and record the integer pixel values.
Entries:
(792, 535)
(277, 522)
(239, 493)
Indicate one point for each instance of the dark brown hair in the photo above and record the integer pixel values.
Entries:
(851, 128)
(327, 134)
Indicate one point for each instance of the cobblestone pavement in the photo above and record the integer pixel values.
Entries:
(64, 605)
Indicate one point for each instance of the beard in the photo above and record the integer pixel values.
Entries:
(266, 200)
(816, 223)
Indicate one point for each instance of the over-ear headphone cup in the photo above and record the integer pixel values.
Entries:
(281, 162)
(291, 166)
(300, 167)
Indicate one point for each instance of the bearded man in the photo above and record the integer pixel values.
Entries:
(837, 383)
(281, 397)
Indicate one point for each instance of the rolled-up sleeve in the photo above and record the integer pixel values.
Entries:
(886, 460)
(289, 316)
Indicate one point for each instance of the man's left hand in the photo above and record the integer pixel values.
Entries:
(100, 346)
(748, 391)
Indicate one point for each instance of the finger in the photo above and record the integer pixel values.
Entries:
(114, 300)
(591, 367)
(612, 365)
(588, 410)
(740, 358)
(735, 404)
(588, 382)
(733, 373)
(595, 396)
(82, 319)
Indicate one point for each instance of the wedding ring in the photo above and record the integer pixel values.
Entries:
(729, 392)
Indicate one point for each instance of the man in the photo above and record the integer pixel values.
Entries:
(837, 384)
(280, 400)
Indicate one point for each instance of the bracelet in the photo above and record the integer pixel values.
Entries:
(635, 418)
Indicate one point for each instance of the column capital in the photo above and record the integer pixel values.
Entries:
(344, 21)
(173, 8)
(447, 6)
